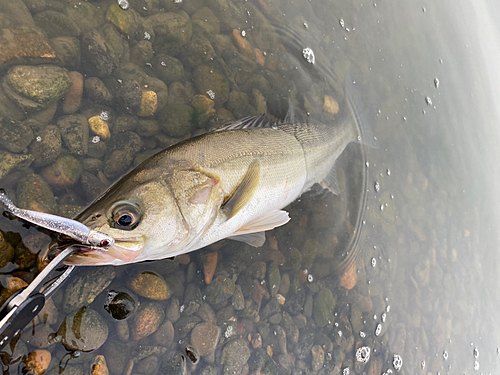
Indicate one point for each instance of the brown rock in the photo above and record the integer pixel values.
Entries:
(350, 277)
(98, 366)
(11, 284)
(150, 285)
(73, 98)
(209, 263)
(147, 320)
(38, 361)
(204, 338)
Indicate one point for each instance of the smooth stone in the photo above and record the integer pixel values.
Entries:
(16, 136)
(198, 51)
(318, 357)
(273, 277)
(204, 337)
(221, 289)
(97, 90)
(42, 84)
(175, 364)
(206, 20)
(56, 24)
(127, 21)
(67, 50)
(324, 303)
(10, 162)
(237, 299)
(120, 305)
(239, 104)
(165, 334)
(64, 172)
(91, 185)
(42, 336)
(142, 53)
(99, 127)
(147, 320)
(235, 356)
(121, 152)
(75, 133)
(210, 80)
(177, 94)
(185, 324)
(168, 68)
(48, 146)
(73, 97)
(86, 286)
(6, 251)
(84, 330)
(25, 45)
(150, 285)
(34, 193)
(192, 299)
(177, 120)
(171, 28)
(98, 57)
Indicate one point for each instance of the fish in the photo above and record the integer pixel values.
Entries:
(68, 227)
(232, 183)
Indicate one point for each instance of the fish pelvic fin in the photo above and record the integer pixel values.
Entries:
(252, 239)
(244, 192)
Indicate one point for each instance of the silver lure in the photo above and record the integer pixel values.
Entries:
(68, 227)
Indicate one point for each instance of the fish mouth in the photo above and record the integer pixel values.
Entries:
(122, 252)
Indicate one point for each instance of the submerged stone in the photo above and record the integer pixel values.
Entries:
(84, 330)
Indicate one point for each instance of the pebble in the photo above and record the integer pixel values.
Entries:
(150, 285)
(147, 320)
(16, 136)
(318, 357)
(120, 305)
(98, 366)
(84, 330)
(235, 356)
(33, 193)
(164, 335)
(149, 103)
(204, 337)
(209, 264)
(75, 133)
(38, 361)
(49, 147)
(73, 97)
(64, 172)
(350, 277)
(99, 127)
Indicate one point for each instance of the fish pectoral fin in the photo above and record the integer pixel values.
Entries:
(253, 232)
(253, 239)
(244, 192)
(330, 182)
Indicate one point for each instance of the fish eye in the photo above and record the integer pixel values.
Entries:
(125, 216)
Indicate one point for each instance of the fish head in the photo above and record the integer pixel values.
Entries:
(151, 214)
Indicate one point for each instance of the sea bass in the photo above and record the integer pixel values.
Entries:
(231, 183)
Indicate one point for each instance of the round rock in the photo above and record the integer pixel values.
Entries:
(204, 338)
(84, 330)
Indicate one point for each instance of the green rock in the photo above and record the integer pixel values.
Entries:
(206, 20)
(124, 123)
(204, 109)
(177, 120)
(239, 104)
(64, 172)
(210, 80)
(68, 51)
(97, 90)
(6, 251)
(42, 84)
(84, 330)
(9, 161)
(127, 21)
(273, 277)
(198, 51)
(171, 29)
(121, 153)
(117, 42)
(86, 286)
(75, 133)
(98, 56)
(168, 68)
(220, 290)
(324, 303)
(34, 193)
(85, 15)
(175, 364)
(222, 117)
(177, 94)
(192, 299)
(24, 45)
(142, 53)
(56, 24)
(48, 146)
(234, 356)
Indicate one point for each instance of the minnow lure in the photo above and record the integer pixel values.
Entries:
(68, 227)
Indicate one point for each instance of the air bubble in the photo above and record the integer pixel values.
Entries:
(374, 262)
(363, 354)
(38, 139)
(104, 116)
(211, 94)
(345, 371)
(445, 355)
(96, 139)
(243, 33)
(476, 365)
(310, 278)
(378, 330)
(383, 317)
(397, 362)
(475, 352)
(308, 54)
(428, 100)
(342, 23)
(123, 4)
(376, 186)
(436, 82)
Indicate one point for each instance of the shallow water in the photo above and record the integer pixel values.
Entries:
(422, 207)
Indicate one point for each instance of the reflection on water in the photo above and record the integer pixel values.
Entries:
(146, 74)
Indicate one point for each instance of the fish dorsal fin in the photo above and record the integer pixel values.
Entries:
(244, 192)
(252, 239)
(330, 182)
(250, 122)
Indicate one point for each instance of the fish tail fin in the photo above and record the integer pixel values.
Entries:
(364, 133)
